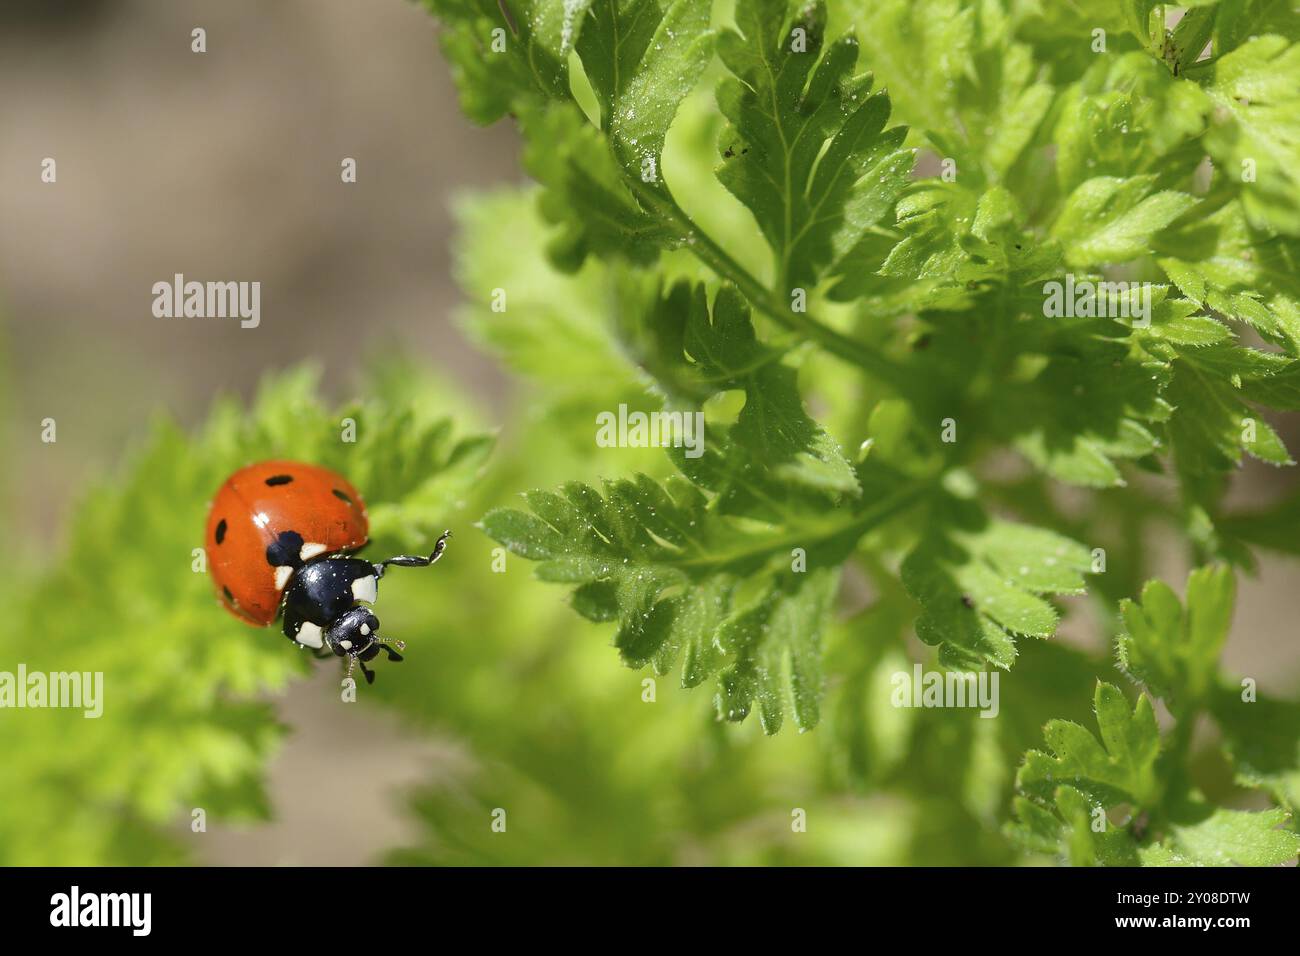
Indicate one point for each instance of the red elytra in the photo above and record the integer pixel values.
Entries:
(258, 503)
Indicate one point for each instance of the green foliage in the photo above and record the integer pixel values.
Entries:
(980, 587)
(829, 228)
(1120, 767)
(1070, 797)
(1175, 652)
(899, 306)
(805, 149)
(1112, 220)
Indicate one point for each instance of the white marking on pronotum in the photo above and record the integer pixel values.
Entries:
(310, 635)
(366, 589)
(346, 645)
(282, 574)
(365, 629)
(310, 551)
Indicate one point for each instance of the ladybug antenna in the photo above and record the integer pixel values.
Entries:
(354, 661)
(415, 560)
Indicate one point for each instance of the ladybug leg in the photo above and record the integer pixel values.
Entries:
(370, 675)
(415, 560)
(386, 644)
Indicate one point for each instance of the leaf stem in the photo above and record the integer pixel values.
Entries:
(720, 261)
(858, 525)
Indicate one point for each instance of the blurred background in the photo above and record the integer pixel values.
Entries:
(226, 165)
(222, 165)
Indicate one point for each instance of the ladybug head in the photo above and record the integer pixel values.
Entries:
(355, 635)
(356, 631)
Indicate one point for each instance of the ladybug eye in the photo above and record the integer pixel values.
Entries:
(221, 531)
(342, 496)
(279, 480)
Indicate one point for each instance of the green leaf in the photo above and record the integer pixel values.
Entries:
(1255, 130)
(780, 635)
(501, 54)
(642, 58)
(960, 77)
(1211, 425)
(1175, 652)
(1262, 737)
(1128, 115)
(1087, 400)
(587, 194)
(685, 580)
(806, 147)
(1222, 263)
(957, 246)
(1076, 831)
(547, 326)
(1119, 767)
(1109, 219)
(1139, 20)
(980, 588)
(695, 352)
(1226, 838)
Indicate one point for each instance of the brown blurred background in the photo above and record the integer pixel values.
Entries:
(225, 165)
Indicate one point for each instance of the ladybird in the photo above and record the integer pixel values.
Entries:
(281, 538)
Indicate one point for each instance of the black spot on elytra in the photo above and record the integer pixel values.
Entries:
(230, 598)
(285, 550)
(221, 531)
(279, 480)
(342, 496)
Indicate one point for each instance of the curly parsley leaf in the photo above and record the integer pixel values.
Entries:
(1222, 837)
(1121, 766)
(1254, 132)
(501, 53)
(1212, 425)
(1223, 264)
(668, 568)
(806, 148)
(1175, 651)
(642, 57)
(1109, 219)
(982, 585)
(1262, 737)
(694, 352)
